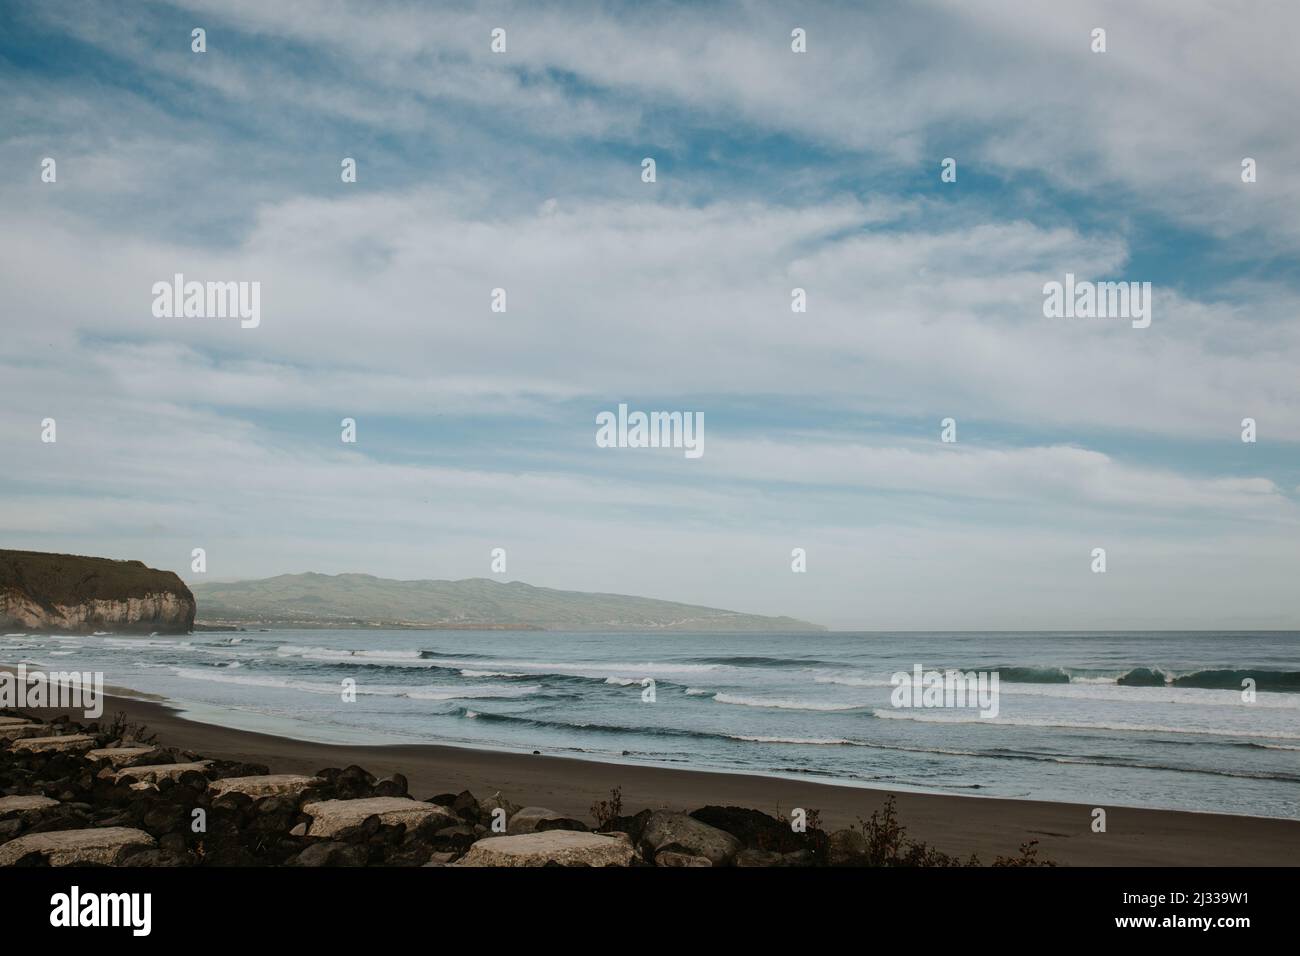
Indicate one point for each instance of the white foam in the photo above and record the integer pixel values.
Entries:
(933, 718)
(783, 703)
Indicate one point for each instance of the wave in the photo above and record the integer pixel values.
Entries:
(642, 730)
(931, 718)
(846, 681)
(782, 703)
(755, 661)
(1208, 679)
(1285, 681)
(335, 653)
(804, 741)
(435, 692)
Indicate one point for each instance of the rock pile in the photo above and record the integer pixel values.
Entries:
(73, 795)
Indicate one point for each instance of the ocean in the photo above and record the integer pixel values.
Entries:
(1149, 719)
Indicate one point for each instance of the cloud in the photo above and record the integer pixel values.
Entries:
(777, 171)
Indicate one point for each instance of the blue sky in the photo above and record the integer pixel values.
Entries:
(775, 170)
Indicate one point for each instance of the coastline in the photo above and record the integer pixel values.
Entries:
(955, 824)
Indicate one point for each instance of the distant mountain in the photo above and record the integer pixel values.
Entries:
(362, 600)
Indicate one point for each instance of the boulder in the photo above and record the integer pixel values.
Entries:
(331, 854)
(668, 830)
(152, 773)
(272, 784)
(117, 756)
(466, 806)
(10, 805)
(497, 802)
(22, 731)
(753, 828)
(394, 786)
(562, 847)
(331, 816)
(526, 819)
(99, 845)
(751, 856)
(673, 858)
(68, 743)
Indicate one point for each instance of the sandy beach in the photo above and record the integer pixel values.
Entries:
(958, 825)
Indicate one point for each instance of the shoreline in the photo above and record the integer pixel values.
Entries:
(956, 824)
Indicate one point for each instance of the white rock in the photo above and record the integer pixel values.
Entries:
(263, 786)
(331, 816)
(19, 804)
(56, 744)
(152, 773)
(119, 755)
(75, 847)
(526, 819)
(566, 847)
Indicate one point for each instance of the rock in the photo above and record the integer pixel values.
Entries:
(751, 856)
(562, 847)
(299, 831)
(75, 847)
(21, 731)
(497, 802)
(153, 773)
(10, 805)
(440, 859)
(331, 816)
(526, 819)
(563, 823)
(394, 786)
(668, 830)
(466, 806)
(63, 592)
(117, 756)
(331, 854)
(271, 784)
(64, 744)
(157, 858)
(847, 848)
(458, 838)
(753, 828)
(673, 858)
(633, 826)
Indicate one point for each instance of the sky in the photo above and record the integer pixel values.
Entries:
(775, 170)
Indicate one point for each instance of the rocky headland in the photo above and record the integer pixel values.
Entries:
(76, 594)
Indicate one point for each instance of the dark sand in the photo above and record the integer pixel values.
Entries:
(955, 824)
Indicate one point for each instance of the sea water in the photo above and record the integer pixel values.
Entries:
(1154, 719)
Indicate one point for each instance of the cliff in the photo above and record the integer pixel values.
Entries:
(66, 592)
